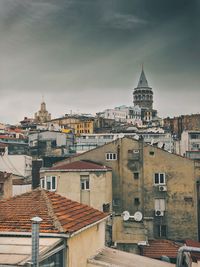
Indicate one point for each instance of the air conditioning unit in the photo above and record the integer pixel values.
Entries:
(162, 188)
(159, 213)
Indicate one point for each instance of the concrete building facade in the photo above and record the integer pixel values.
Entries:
(156, 183)
(189, 145)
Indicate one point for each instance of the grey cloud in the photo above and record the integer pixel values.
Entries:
(123, 21)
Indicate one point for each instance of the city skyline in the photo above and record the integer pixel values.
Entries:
(87, 56)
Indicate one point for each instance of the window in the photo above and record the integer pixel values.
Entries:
(116, 202)
(85, 183)
(151, 153)
(111, 156)
(136, 201)
(106, 207)
(159, 179)
(159, 204)
(161, 230)
(49, 183)
(136, 175)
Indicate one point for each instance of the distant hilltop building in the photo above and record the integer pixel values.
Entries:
(143, 97)
(42, 115)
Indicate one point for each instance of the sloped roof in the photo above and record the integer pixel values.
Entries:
(113, 257)
(142, 81)
(81, 165)
(159, 248)
(59, 214)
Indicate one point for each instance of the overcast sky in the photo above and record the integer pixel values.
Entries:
(86, 55)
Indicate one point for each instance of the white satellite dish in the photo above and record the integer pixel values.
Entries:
(138, 216)
(136, 137)
(152, 141)
(160, 144)
(126, 215)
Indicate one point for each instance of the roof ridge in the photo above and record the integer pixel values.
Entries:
(51, 212)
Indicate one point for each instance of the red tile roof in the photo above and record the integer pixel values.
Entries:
(59, 214)
(158, 248)
(80, 165)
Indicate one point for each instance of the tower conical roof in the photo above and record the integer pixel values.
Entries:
(142, 81)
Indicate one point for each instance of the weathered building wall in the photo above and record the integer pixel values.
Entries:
(180, 215)
(134, 189)
(85, 244)
(125, 187)
(128, 231)
(183, 122)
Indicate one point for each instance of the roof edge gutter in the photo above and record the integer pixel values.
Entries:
(88, 226)
(28, 234)
(75, 170)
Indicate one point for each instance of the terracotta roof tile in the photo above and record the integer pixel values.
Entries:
(80, 165)
(59, 214)
(158, 248)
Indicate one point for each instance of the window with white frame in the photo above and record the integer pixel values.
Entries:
(111, 156)
(160, 204)
(49, 183)
(85, 182)
(159, 179)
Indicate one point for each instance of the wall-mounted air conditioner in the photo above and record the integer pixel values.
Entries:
(159, 213)
(163, 188)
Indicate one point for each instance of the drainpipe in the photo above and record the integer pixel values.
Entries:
(35, 240)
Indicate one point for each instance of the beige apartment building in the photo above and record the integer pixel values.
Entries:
(81, 181)
(158, 184)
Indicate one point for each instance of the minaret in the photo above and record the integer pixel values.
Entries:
(143, 94)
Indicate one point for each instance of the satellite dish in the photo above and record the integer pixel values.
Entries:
(136, 137)
(160, 144)
(152, 141)
(137, 216)
(126, 215)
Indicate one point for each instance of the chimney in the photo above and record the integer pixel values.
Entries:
(35, 240)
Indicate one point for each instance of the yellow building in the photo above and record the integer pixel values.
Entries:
(80, 124)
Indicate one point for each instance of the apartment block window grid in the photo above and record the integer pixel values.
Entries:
(111, 156)
(49, 183)
(85, 182)
(159, 179)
